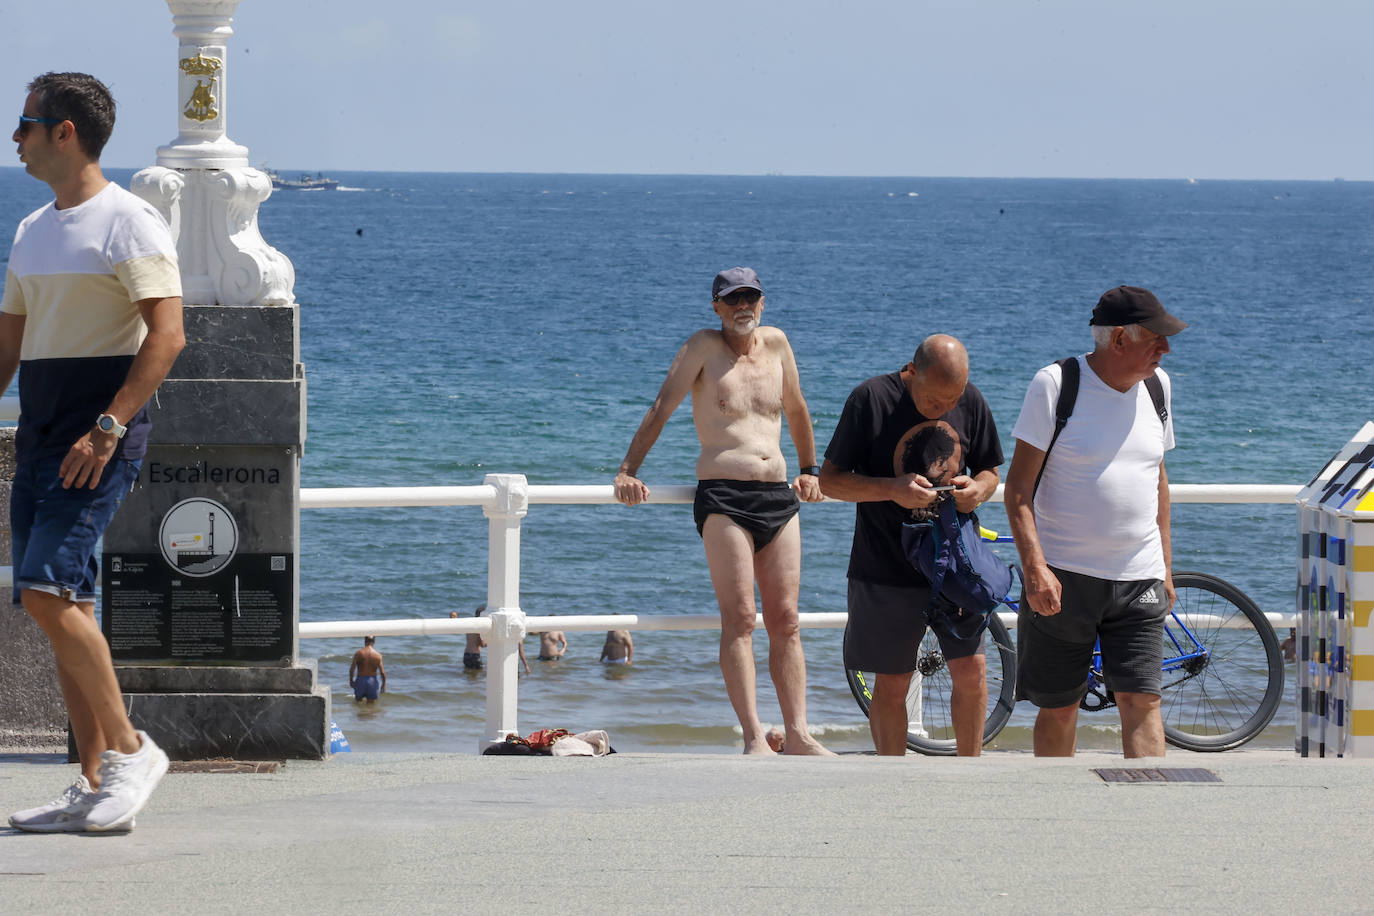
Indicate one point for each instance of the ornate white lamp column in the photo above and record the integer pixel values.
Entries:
(202, 181)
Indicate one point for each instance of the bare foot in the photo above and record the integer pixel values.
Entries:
(759, 746)
(805, 745)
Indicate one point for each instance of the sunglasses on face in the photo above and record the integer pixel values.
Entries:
(25, 121)
(748, 296)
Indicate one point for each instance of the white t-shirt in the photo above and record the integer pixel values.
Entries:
(1096, 511)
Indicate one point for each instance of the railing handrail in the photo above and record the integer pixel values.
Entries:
(604, 494)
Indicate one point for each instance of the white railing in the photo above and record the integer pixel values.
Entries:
(505, 500)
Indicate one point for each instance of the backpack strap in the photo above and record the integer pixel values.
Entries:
(1156, 389)
(1063, 408)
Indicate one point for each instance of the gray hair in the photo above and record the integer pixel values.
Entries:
(1102, 333)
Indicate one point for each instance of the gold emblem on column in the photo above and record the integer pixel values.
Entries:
(201, 106)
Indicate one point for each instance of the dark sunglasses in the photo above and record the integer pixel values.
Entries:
(25, 121)
(749, 296)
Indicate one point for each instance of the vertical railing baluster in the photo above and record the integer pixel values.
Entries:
(503, 603)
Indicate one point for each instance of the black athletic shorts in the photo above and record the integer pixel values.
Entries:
(1054, 654)
(761, 507)
(886, 625)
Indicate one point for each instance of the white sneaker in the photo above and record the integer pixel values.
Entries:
(65, 814)
(126, 781)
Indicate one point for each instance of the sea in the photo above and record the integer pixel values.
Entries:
(455, 325)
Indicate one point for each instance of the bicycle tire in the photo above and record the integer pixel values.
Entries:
(1221, 706)
(935, 737)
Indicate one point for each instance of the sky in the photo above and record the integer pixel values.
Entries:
(1206, 89)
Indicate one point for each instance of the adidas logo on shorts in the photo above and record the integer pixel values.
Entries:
(1149, 597)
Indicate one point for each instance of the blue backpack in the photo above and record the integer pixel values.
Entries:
(968, 580)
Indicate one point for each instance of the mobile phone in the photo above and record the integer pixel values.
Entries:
(944, 489)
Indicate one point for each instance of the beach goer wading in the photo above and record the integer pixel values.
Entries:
(743, 380)
(364, 671)
(91, 320)
(1094, 536)
(924, 416)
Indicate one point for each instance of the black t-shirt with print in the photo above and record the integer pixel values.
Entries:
(881, 429)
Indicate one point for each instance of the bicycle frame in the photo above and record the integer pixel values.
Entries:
(1192, 657)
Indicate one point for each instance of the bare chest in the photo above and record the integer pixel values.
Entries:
(744, 387)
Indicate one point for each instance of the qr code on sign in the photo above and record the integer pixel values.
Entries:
(278, 564)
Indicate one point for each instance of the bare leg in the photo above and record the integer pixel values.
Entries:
(887, 715)
(778, 568)
(968, 702)
(83, 661)
(730, 557)
(1056, 731)
(90, 740)
(1142, 728)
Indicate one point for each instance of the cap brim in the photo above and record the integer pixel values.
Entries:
(730, 289)
(1165, 325)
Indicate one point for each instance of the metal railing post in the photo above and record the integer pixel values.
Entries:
(504, 513)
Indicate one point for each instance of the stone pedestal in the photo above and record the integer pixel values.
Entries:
(33, 715)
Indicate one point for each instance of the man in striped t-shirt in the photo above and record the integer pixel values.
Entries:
(91, 320)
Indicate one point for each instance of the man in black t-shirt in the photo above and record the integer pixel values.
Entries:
(901, 435)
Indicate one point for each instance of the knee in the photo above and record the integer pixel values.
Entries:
(1061, 715)
(1137, 702)
(738, 624)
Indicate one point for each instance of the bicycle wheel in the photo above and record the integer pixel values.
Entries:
(1221, 698)
(930, 727)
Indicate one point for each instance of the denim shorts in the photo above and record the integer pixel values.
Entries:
(56, 529)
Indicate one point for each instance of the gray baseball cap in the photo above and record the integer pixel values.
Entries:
(727, 281)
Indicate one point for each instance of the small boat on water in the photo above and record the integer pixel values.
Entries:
(316, 182)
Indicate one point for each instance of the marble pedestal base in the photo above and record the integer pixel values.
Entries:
(197, 713)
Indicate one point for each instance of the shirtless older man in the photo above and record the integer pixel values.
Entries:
(743, 380)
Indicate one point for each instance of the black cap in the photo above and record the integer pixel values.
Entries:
(1134, 305)
(727, 281)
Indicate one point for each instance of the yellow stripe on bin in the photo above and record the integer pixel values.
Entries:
(1362, 610)
(1363, 559)
(1362, 668)
(1362, 722)
(1366, 503)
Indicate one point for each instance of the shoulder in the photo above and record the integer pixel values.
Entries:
(773, 336)
(972, 398)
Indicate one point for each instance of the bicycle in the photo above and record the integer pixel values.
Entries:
(1217, 643)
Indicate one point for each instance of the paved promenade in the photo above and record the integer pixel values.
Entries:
(654, 833)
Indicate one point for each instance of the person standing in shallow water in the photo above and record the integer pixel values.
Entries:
(364, 671)
(743, 380)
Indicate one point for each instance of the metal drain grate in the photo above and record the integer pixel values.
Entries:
(224, 766)
(1156, 774)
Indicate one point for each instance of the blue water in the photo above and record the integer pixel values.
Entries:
(523, 323)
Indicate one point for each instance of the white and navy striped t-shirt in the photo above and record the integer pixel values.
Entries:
(75, 275)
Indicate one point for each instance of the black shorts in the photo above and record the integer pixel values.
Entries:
(760, 507)
(886, 625)
(1054, 654)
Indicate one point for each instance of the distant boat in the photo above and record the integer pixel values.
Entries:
(316, 182)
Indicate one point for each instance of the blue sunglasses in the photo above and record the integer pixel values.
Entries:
(25, 121)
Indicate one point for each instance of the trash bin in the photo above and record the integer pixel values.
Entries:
(1335, 598)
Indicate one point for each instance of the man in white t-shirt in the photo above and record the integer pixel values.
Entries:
(91, 321)
(1093, 530)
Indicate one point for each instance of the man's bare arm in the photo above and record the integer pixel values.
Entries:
(911, 491)
(1042, 588)
(381, 669)
(798, 423)
(1165, 536)
(353, 670)
(682, 374)
(86, 460)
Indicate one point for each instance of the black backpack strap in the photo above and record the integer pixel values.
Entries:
(1063, 408)
(1156, 389)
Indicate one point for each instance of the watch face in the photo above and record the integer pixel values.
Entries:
(106, 423)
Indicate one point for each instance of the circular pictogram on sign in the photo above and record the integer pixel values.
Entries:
(198, 537)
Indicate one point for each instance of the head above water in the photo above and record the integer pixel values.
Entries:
(369, 640)
(81, 99)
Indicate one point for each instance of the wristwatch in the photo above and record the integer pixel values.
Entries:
(812, 470)
(110, 426)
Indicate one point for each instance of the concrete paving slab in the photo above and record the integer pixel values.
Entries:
(710, 833)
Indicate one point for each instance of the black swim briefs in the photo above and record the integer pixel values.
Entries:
(760, 507)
